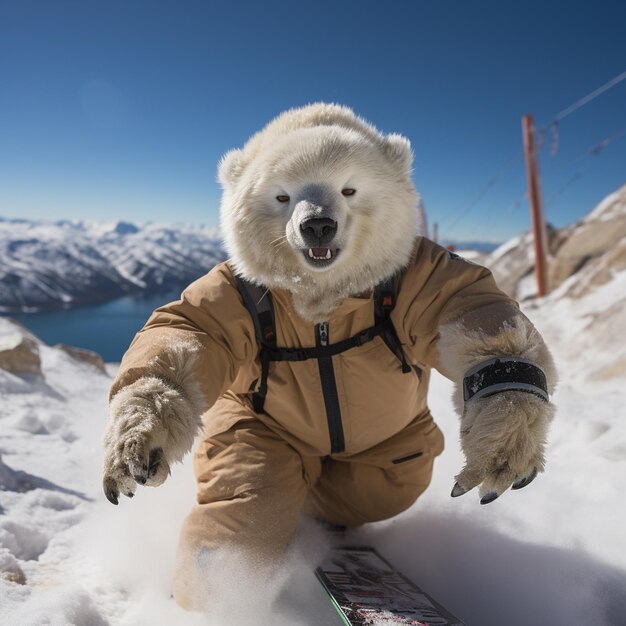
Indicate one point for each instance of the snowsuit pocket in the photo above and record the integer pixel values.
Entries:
(404, 459)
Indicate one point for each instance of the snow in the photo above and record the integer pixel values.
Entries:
(475, 256)
(507, 247)
(552, 553)
(46, 265)
(8, 342)
(610, 207)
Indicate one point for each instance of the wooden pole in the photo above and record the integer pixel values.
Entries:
(536, 209)
(435, 232)
(422, 224)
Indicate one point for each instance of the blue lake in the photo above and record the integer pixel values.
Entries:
(107, 328)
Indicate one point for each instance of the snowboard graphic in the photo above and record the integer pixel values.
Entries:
(366, 590)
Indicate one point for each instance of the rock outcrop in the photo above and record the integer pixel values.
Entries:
(20, 355)
(84, 356)
(592, 249)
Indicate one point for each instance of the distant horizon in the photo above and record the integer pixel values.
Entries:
(486, 241)
(124, 109)
(181, 224)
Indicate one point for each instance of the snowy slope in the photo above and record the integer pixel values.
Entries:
(551, 554)
(554, 553)
(45, 265)
(597, 244)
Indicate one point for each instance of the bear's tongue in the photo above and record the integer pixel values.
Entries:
(320, 253)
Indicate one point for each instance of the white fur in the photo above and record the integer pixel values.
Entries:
(159, 410)
(325, 145)
(503, 436)
(306, 154)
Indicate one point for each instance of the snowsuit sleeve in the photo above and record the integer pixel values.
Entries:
(196, 344)
(455, 316)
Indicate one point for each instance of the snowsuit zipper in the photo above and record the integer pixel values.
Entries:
(329, 389)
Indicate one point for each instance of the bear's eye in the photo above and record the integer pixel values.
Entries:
(282, 198)
(348, 192)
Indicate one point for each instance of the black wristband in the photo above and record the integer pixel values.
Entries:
(505, 374)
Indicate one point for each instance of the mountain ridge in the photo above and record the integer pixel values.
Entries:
(54, 265)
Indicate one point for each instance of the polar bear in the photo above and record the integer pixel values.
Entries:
(304, 360)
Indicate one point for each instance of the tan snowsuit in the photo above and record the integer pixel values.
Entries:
(258, 472)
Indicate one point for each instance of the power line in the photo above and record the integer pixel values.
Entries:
(554, 125)
(506, 169)
(573, 179)
(518, 203)
(555, 166)
(594, 151)
(589, 97)
(606, 142)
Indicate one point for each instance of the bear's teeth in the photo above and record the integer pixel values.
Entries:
(326, 256)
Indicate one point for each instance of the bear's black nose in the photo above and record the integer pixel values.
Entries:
(318, 230)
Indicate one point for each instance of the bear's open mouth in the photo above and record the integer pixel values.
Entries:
(320, 257)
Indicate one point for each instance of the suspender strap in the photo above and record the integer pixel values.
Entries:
(258, 301)
(505, 374)
(385, 296)
(258, 397)
(319, 352)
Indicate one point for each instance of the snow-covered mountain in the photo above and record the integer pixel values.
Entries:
(587, 278)
(553, 553)
(479, 246)
(48, 265)
(593, 249)
(68, 557)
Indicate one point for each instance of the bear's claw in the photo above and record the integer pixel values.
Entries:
(523, 482)
(155, 460)
(488, 498)
(457, 490)
(111, 491)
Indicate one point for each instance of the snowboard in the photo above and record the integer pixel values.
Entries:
(366, 590)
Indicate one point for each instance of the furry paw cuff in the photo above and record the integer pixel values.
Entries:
(154, 407)
(462, 348)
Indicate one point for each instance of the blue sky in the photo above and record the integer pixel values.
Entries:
(121, 110)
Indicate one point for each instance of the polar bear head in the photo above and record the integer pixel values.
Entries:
(321, 204)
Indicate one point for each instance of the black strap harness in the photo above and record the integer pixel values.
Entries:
(483, 380)
(505, 374)
(258, 301)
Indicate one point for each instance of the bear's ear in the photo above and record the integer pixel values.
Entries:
(230, 167)
(398, 150)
